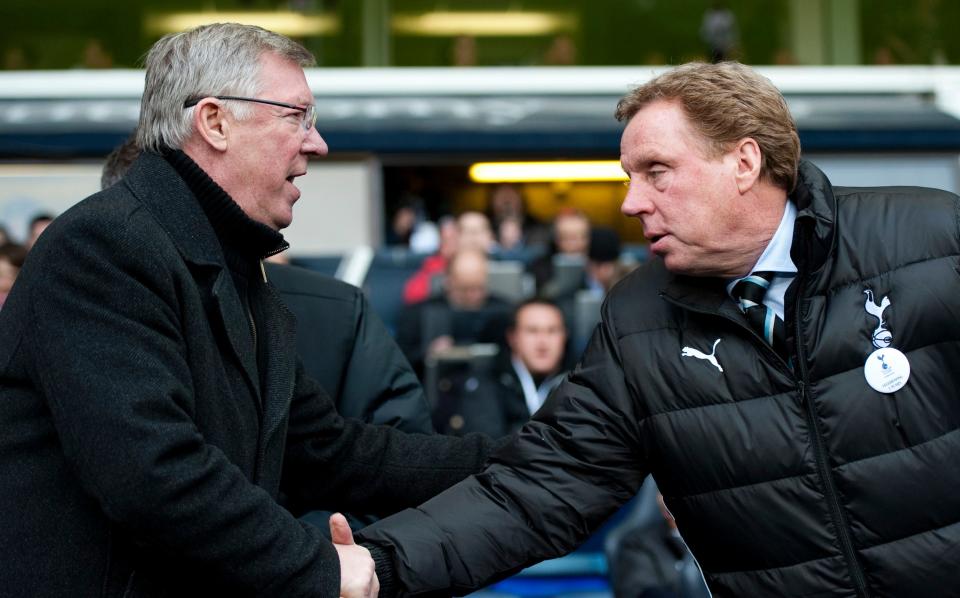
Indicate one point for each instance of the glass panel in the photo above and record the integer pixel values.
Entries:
(103, 34)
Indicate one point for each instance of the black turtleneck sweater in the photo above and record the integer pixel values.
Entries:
(245, 242)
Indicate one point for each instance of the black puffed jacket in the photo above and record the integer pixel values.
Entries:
(784, 482)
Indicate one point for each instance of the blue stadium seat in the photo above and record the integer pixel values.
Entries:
(389, 271)
(324, 264)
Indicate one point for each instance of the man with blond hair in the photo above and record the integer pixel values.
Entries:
(815, 458)
(153, 407)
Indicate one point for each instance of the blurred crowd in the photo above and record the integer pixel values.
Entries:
(500, 306)
(13, 254)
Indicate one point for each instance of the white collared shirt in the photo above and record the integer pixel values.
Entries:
(533, 396)
(776, 258)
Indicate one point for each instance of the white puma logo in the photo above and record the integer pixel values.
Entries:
(691, 352)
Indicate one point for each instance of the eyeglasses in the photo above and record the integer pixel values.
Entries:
(308, 120)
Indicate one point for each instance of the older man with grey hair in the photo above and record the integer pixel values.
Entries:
(153, 407)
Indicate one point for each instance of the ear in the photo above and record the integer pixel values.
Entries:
(749, 159)
(211, 124)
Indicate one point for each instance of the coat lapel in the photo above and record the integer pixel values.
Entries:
(236, 324)
(278, 333)
(164, 193)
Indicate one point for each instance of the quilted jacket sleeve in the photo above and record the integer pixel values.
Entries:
(542, 494)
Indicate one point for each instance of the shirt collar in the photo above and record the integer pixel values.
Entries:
(776, 256)
(533, 395)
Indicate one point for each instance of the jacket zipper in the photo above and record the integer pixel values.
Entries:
(839, 519)
(820, 453)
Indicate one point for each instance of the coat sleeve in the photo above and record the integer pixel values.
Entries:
(378, 374)
(565, 473)
(336, 463)
(109, 356)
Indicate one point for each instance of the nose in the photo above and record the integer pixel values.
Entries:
(636, 202)
(313, 143)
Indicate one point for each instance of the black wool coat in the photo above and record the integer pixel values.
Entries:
(143, 448)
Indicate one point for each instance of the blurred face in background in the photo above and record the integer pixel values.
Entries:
(506, 202)
(538, 338)
(572, 234)
(8, 274)
(449, 237)
(36, 229)
(475, 232)
(466, 282)
(510, 233)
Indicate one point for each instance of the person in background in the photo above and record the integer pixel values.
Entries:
(12, 257)
(719, 32)
(346, 347)
(154, 409)
(38, 224)
(571, 232)
(604, 268)
(419, 287)
(465, 313)
(470, 230)
(518, 234)
(118, 162)
(647, 557)
(571, 241)
(499, 402)
(474, 232)
(581, 302)
(786, 368)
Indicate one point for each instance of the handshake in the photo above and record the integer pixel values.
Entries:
(358, 576)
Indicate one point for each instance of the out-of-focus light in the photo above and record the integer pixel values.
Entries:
(530, 172)
(486, 23)
(288, 23)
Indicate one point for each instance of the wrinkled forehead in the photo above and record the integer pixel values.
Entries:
(661, 128)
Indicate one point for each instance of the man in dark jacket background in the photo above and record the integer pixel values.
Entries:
(498, 400)
(152, 403)
(347, 349)
(815, 458)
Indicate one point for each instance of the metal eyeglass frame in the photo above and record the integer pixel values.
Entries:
(308, 121)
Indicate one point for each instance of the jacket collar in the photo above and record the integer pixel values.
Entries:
(241, 236)
(701, 294)
(165, 194)
(162, 189)
(814, 235)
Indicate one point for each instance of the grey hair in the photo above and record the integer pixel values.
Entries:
(218, 59)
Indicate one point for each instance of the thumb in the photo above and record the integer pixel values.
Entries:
(340, 532)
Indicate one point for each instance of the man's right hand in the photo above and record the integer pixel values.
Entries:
(358, 576)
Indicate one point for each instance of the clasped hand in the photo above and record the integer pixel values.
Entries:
(358, 576)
